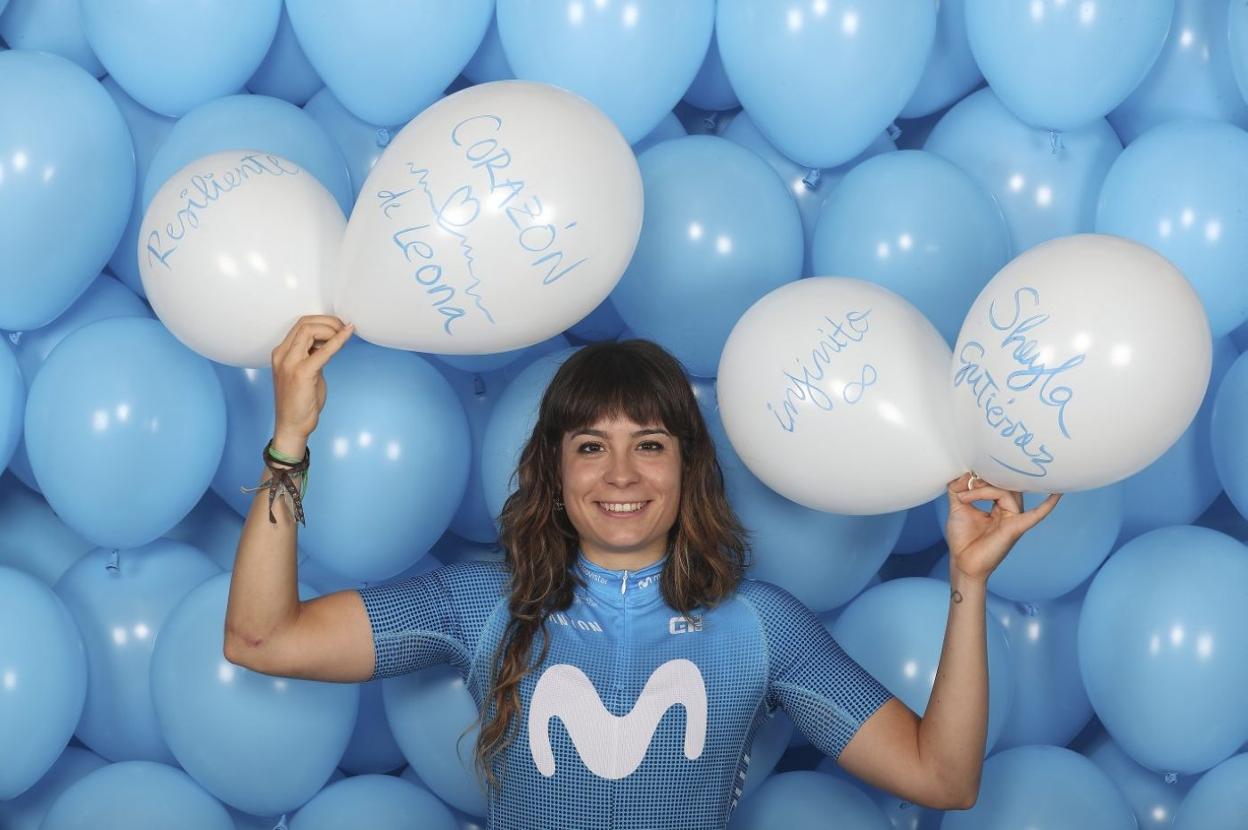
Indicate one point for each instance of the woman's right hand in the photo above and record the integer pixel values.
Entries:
(298, 387)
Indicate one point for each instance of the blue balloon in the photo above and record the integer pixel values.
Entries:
(66, 183)
(254, 122)
(234, 730)
(718, 223)
(1182, 189)
(1219, 800)
(1153, 797)
(250, 417)
(822, 85)
(116, 401)
(136, 794)
(45, 680)
(914, 223)
(26, 812)
(212, 527)
(669, 128)
(633, 60)
(372, 748)
(147, 130)
(1061, 552)
(285, 71)
(119, 601)
(510, 425)
(1237, 25)
(35, 540)
(489, 63)
(501, 361)
(147, 46)
(921, 530)
(49, 26)
(411, 50)
(379, 802)
(951, 71)
(1046, 186)
(710, 88)
(1224, 518)
(1228, 438)
(1192, 77)
(1060, 65)
(895, 631)
(1164, 629)
(12, 403)
(901, 814)
(804, 800)
(477, 394)
(766, 749)
(105, 297)
(809, 188)
(428, 711)
(1043, 788)
(603, 323)
(1181, 484)
(361, 144)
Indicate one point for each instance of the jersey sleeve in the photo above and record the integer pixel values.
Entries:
(435, 617)
(824, 691)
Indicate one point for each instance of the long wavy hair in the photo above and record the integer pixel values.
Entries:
(706, 545)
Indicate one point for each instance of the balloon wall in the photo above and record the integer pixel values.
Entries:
(890, 241)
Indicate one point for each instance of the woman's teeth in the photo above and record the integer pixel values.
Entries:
(622, 507)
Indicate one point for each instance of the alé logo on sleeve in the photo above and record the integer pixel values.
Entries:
(612, 747)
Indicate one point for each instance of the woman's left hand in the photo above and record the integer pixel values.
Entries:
(979, 540)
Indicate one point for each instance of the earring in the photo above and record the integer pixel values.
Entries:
(558, 504)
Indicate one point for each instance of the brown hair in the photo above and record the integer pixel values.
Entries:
(706, 545)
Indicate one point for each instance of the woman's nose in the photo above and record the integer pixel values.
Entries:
(622, 469)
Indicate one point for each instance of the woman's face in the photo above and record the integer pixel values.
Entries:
(621, 487)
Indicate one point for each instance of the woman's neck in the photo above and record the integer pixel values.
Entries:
(621, 561)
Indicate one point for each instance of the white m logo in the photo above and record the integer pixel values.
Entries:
(613, 747)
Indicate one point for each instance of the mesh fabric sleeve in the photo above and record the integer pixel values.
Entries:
(824, 691)
(435, 617)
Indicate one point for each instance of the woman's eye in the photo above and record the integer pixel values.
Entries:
(651, 445)
(587, 446)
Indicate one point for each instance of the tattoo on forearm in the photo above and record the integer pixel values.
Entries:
(957, 595)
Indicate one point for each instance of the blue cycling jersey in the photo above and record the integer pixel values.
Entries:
(639, 717)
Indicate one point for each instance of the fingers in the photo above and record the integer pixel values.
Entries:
(1033, 516)
(282, 350)
(317, 360)
(983, 491)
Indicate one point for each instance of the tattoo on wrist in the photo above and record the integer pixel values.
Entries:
(957, 595)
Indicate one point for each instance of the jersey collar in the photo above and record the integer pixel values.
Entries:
(614, 586)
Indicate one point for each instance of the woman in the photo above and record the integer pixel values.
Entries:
(620, 661)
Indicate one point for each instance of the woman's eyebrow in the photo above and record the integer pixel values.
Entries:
(638, 433)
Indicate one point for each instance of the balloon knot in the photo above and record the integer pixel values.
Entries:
(1171, 777)
(1055, 142)
(1029, 609)
(812, 177)
(383, 137)
(15, 337)
(711, 122)
(894, 132)
(281, 823)
(478, 385)
(114, 561)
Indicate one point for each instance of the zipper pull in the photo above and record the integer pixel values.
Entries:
(624, 583)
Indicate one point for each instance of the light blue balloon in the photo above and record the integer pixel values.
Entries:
(823, 559)
(45, 680)
(172, 56)
(136, 794)
(1192, 77)
(804, 800)
(104, 298)
(250, 418)
(147, 131)
(914, 223)
(633, 60)
(1046, 186)
(361, 144)
(379, 802)
(489, 63)
(1219, 800)
(1224, 518)
(237, 731)
(510, 425)
(49, 26)
(120, 601)
(710, 88)
(428, 711)
(821, 83)
(35, 540)
(12, 403)
(212, 527)
(477, 394)
(951, 71)
(1060, 65)
(718, 222)
(501, 361)
(1181, 484)
(768, 746)
(1164, 629)
(921, 530)
(669, 128)
(901, 814)
(1058, 554)
(809, 188)
(1043, 788)
(372, 748)
(603, 323)
(26, 812)
(895, 631)
(253, 122)
(117, 400)
(1153, 797)
(1182, 190)
(1237, 27)
(285, 71)
(1228, 435)
(386, 60)
(66, 182)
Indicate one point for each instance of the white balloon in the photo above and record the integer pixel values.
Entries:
(832, 391)
(1079, 364)
(495, 219)
(234, 248)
